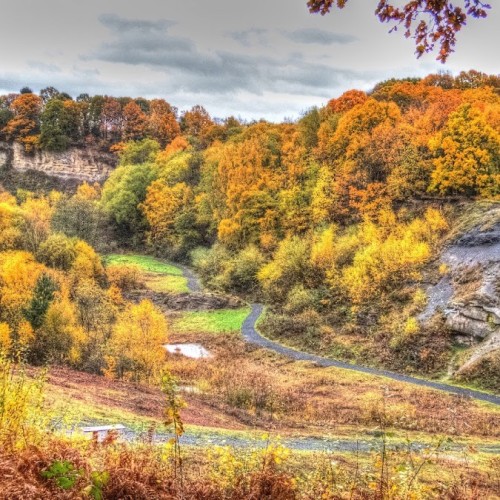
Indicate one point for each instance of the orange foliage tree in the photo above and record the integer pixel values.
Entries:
(25, 125)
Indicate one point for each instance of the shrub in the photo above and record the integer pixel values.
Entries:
(58, 251)
(125, 276)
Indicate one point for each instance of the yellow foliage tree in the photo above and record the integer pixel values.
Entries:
(137, 340)
(467, 155)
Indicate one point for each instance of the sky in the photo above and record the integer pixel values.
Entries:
(251, 59)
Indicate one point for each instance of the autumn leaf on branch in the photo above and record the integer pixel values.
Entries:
(428, 22)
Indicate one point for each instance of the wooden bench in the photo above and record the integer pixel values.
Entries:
(102, 430)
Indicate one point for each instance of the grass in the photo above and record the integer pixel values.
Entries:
(145, 263)
(158, 275)
(166, 284)
(219, 321)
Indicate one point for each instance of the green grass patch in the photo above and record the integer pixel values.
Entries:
(167, 284)
(220, 321)
(158, 275)
(145, 263)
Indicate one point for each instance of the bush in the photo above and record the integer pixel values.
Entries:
(127, 277)
(58, 251)
(21, 399)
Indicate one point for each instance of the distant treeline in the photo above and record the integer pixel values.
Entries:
(54, 120)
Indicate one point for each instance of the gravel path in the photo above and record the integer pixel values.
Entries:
(311, 443)
(193, 282)
(251, 335)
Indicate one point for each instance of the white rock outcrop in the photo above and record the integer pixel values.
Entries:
(86, 164)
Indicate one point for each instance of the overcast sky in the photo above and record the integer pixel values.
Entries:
(252, 58)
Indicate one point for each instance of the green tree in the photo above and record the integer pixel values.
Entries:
(139, 152)
(43, 294)
(122, 194)
(53, 136)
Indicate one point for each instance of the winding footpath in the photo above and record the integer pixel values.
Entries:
(252, 335)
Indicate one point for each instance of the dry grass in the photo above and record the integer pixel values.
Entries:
(265, 389)
(112, 470)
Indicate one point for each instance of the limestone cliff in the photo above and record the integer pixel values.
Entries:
(85, 164)
(469, 294)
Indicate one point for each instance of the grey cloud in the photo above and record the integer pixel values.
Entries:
(47, 68)
(317, 36)
(220, 71)
(250, 37)
(119, 24)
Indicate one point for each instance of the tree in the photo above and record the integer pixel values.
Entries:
(43, 294)
(18, 276)
(163, 125)
(134, 122)
(25, 125)
(347, 101)
(196, 124)
(111, 118)
(57, 251)
(138, 152)
(123, 192)
(137, 341)
(36, 214)
(59, 338)
(467, 158)
(290, 266)
(427, 21)
(48, 93)
(59, 124)
(171, 218)
(82, 217)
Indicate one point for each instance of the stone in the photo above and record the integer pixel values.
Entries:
(459, 323)
(85, 164)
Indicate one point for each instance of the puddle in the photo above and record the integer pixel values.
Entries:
(196, 351)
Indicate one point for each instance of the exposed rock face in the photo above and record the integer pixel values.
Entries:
(475, 307)
(469, 296)
(86, 164)
(6, 153)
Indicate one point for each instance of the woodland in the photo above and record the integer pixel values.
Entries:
(333, 221)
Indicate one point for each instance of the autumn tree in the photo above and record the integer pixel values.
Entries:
(57, 251)
(19, 273)
(347, 101)
(25, 125)
(111, 119)
(467, 158)
(290, 266)
(137, 341)
(134, 122)
(163, 125)
(59, 338)
(36, 214)
(81, 216)
(10, 231)
(429, 22)
(138, 152)
(171, 218)
(196, 124)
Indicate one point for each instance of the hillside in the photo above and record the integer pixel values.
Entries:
(332, 283)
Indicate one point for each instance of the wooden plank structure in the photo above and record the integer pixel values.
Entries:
(102, 431)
